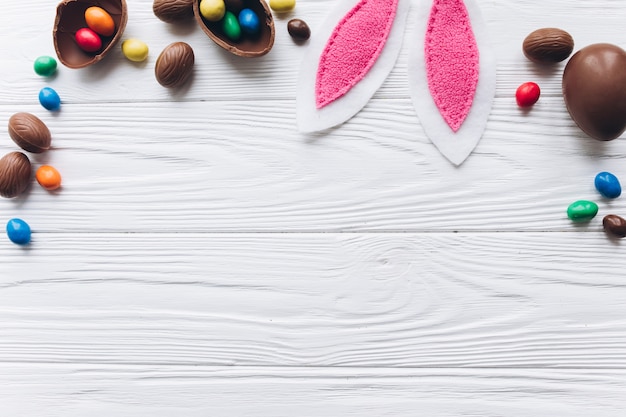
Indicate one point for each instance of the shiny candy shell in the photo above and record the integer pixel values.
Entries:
(18, 231)
(135, 50)
(230, 26)
(282, 5)
(608, 185)
(212, 10)
(49, 99)
(45, 66)
(99, 21)
(48, 177)
(249, 22)
(88, 40)
(582, 210)
(614, 225)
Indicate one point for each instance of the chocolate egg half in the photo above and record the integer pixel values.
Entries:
(594, 88)
(246, 46)
(70, 18)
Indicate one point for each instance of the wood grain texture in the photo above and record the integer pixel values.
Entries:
(376, 300)
(198, 391)
(203, 258)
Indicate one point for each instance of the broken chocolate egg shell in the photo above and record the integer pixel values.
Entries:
(71, 16)
(247, 46)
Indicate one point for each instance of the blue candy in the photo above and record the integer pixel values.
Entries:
(608, 185)
(49, 99)
(18, 231)
(249, 22)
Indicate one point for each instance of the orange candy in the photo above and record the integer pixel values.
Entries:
(48, 177)
(99, 21)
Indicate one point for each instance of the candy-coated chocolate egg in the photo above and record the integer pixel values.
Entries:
(212, 10)
(582, 210)
(282, 5)
(18, 231)
(614, 225)
(135, 50)
(249, 22)
(45, 65)
(298, 30)
(99, 21)
(49, 99)
(608, 185)
(527, 94)
(230, 26)
(48, 177)
(88, 40)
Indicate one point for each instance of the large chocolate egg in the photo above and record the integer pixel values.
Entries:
(246, 46)
(70, 18)
(594, 87)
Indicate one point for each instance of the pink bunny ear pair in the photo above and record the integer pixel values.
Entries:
(451, 68)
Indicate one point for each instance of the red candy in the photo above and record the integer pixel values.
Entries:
(527, 94)
(88, 40)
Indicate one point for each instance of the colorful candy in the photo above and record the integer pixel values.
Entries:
(608, 185)
(88, 40)
(230, 26)
(614, 225)
(298, 30)
(249, 22)
(527, 94)
(212, 10)
(282, 5)
(48, 177)
(99, 21)
(18, 231)
(49, 99)
(582, 210)
(45, 65)
(135, 50)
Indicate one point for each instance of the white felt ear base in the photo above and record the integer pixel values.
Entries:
(456, 147)
(311, 119)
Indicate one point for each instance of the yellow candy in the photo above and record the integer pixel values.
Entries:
(212, 10)
(282, 5)
(135, 50)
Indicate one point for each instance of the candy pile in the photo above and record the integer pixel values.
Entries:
(609, 187)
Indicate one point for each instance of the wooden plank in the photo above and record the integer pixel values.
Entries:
(273, 76)
(441, 300)
(226, 167)
(76, 390)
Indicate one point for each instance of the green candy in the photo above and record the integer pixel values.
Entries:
(230, 26)
(45, 65)
(582, 210)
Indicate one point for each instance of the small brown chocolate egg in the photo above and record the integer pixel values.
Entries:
(174, 65)
(245, 46)
(70, 18)
(614, 225)
(29, 132)
(594, 88)
(298, 30)
(172, 11)
(15, 173)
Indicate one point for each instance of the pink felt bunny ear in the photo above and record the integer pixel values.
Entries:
(452, 76)
(349, 58)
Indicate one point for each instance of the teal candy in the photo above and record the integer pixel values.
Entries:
(582, 210)
(45, 66)
(230, 26)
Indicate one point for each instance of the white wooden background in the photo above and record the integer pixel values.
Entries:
(205, 259)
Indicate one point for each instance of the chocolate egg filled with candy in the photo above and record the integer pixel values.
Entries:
(70, 19)
(254, 43)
